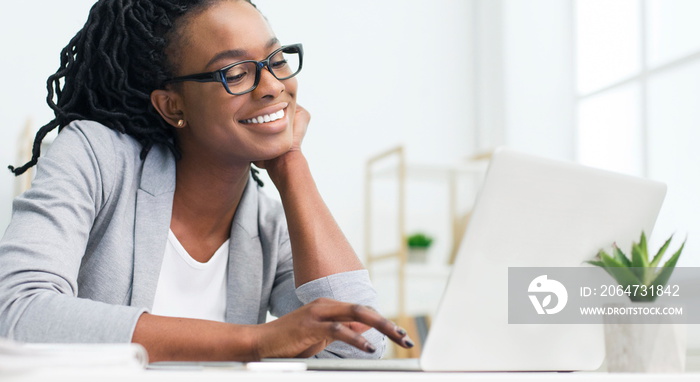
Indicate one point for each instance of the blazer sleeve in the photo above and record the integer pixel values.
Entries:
(42, 249)
(354, 287)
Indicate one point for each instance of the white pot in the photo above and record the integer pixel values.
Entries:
(644, 347)
(417, 255)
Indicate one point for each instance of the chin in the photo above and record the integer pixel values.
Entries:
(272, 153)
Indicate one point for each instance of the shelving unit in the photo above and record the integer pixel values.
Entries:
(392, 164)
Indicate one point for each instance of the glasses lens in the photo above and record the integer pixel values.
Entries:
(286, 63)
(241, 77)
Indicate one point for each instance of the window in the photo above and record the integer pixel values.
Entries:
(638, 100)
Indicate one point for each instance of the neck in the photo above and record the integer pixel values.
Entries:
(206, 199)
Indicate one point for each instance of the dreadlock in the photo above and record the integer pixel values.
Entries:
(111, 66)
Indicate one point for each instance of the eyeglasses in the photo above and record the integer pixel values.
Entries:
(244, 76)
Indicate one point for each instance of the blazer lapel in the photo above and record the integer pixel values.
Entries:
(244, 284)
(154, 204)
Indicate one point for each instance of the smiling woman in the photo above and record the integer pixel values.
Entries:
(144, 223)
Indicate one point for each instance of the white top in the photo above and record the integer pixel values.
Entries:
(190, 289)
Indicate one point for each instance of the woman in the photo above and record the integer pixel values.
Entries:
(143, 223)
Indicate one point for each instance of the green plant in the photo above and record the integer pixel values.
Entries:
(639, 270)
(419, 240)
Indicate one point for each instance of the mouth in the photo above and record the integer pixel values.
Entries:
(264, 118)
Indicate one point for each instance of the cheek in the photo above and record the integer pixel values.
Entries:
(291, 85)
(212, 108)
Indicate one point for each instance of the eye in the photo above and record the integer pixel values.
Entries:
(278, 64)
(237, 74)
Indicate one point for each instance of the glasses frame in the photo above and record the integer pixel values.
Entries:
(219, 75)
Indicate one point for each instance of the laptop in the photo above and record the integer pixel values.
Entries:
(530, 212)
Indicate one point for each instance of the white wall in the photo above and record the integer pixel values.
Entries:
(538, 58)
(32, 33)
(525, 76)
(378, 74)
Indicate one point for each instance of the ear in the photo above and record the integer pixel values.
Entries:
(168, 104)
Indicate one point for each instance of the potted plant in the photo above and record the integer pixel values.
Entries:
(641, 347)
(418, 244)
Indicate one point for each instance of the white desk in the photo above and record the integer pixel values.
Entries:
(212, 374)
(109, 375)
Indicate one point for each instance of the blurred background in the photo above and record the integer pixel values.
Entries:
(611, 84)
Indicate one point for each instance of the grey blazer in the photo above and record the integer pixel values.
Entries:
(81, 257)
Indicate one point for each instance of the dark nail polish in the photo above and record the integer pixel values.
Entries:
(408, 342)
(401, 331)
(370, 348)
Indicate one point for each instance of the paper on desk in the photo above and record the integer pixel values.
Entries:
(16, 356)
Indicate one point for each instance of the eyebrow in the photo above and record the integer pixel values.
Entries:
(238, 53)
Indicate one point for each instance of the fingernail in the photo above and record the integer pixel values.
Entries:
(400, 330)
(370, 348)
(407, 341)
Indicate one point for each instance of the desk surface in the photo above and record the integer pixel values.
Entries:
(108, 375)
(213, 374)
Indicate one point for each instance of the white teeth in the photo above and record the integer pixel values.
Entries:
(266, 118)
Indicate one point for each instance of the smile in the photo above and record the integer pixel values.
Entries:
(265, 118)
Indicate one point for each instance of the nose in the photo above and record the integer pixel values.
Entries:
(269, 85)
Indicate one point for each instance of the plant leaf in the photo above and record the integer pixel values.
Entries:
(657, 258)
(643, 247)
(600, 263)
(667, 270)
(623, 275)
(620, 256)
(639, 258)
(597, 263)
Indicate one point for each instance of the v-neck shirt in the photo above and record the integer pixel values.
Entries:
(190, 289)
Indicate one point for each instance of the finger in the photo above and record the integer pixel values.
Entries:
(329, 310)
(340, 332)
(358, 327)
(303, 112)
(369, 316)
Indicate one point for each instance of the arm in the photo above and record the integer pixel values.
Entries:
(301, 333)
(43, 247)
(325, 265)
(320, 248)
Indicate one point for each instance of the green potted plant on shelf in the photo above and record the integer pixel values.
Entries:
(628, 341)
(418, 245)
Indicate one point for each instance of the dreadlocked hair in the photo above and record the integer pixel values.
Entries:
(111, 66)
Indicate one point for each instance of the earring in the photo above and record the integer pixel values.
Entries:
(181, 123)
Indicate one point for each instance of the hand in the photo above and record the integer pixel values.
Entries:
(311, 328)
(299, 126)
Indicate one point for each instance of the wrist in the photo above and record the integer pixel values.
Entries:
(235, 343)
(184, 339)
(257, 342)
(252, 342)
(286, 165)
